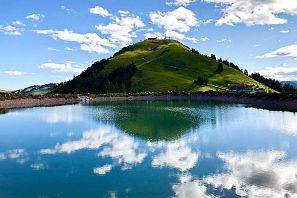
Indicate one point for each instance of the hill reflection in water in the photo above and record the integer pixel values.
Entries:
(159, 120)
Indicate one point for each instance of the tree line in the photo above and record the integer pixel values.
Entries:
(92, 80)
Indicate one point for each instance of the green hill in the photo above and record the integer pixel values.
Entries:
(154, 66)
(37, 89)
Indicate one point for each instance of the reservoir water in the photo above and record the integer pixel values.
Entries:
(148, 149)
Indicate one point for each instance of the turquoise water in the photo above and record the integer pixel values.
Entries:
(148, 149)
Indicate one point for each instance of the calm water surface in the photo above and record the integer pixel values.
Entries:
(148, 149)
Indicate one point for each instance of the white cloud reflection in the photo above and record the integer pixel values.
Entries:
(19, 155)
(177, 155)
(257, 174)
(122, 148)
(70, 114)
(38, 166)
(103, 169)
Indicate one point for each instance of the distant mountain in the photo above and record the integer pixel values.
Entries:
(294, 83)
(156, 66)
(37, 89)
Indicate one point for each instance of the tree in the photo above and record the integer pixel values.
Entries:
(287, 88)
(246, 72)
(220, 68)
(213, 56)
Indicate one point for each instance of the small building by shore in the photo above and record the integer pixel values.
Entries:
(245, 88)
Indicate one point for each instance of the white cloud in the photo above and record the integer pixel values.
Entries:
(90, 42)
(100, 11)
(180, 2)
(11, 30)
(224, 40)
(68, 66)
(69, 49)
(103, 170)
(52, 49)
(154, 35)
(35, 17)
(255, 12)
(123, 12)
(179, 36)
(287, 51)
(284, 31)
(121, 29)
(257, 174)
(180, 20)
(208, 21)
(68, 10)
(13, 73)
(18, 23)
(282, 73)
(178, 155)
(204, 39)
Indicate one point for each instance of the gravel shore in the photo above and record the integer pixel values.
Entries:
(24, 103)
(287, 104)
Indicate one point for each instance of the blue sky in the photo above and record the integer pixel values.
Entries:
(52, 40)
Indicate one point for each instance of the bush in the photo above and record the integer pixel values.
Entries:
(201, 80)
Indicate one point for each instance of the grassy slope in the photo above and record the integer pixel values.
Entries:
(168, 65)
(164, 65)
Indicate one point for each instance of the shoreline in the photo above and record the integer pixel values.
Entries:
(262, 102)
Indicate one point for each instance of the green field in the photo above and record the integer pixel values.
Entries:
(166, 65)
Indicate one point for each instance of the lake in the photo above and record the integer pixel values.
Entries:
(148, 149)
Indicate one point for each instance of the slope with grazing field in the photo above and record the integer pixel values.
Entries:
(154, 66)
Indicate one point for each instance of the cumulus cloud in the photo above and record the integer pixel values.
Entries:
(121, 29)
(255, 12)
(175, 23)
(257, 174)
(100, 11)
(287, 51)
(180, 2)
(181, 19)
(90, 42)
(35, 17)
(68, 66)
(282, 73)
(13, 73)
